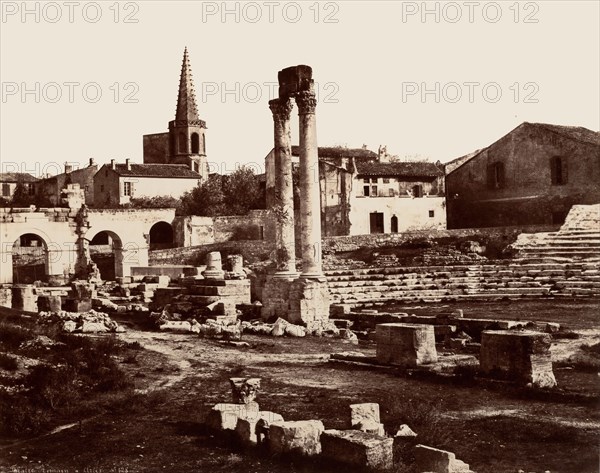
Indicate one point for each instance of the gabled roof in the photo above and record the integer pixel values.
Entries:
(340, 152)
(577, 133)
(16, 177)
(156, 170)
(400, 169)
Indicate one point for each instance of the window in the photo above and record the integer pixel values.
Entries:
(431, 213)
(376, 222)
(102, 188)
(366, 191)
(558, 170)
(30, 189)
(195, 143)
(417, 190)
(386, 180)
(373, 191)
(128, 188)
(366, 180)
(6, 190)
(394, 224)
(391, 192)
(496, 176)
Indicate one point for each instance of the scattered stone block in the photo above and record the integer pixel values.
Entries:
(370, 427)
(225, 416)
(407, 345)
(49, 303)
(523, 357)
(404, 442)
(356, 448)
(69, 326)
(93, 327)
(364, 411)
(279, 327)
(296, 437)
(295, 330)
(433, 460)
(176, 326)
(248, 429)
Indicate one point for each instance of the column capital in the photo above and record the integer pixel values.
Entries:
(307, 102)
(281, 108)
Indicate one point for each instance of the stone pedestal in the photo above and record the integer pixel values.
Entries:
(276, 297)
(407, 345)
(522, 357)
(49, 303)
(299, 437)
(24, 298)
(253, 430)
(309, 303)
(225, 416)
(6, 296)
(80, 297)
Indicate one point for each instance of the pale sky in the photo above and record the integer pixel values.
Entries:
(371, 61)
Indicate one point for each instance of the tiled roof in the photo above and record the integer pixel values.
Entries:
(16, 177)
(405, 169)
(577, 133)
(156, 170)
(340, 152)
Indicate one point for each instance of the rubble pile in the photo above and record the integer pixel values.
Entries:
(80, 322)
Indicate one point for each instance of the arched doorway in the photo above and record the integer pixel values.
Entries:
(103, 248)
(29, 259)
(394, 224)
(161, 236)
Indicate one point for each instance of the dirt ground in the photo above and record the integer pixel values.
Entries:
(495, 430)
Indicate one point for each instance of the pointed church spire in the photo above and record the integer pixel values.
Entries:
(187, 110)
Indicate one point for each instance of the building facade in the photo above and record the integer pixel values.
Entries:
(533, 175)
(116, 184)
(51, 187)
(9, 182)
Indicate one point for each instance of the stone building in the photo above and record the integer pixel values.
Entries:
(532, 175)
(51, 187)
(185, 142)
(117, 184)
(365, 192)
(10, 180)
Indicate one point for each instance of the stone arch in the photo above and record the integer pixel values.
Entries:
(161, 236)
(105, 248)
(30, 258)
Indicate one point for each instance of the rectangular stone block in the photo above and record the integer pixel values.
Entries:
(356, 448)
(366, 411)
(406, 345)
(433, 460)
(519, 356)
(246, 427)
(297, 437)
(225, 416)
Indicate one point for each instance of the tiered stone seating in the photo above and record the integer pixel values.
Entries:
(445, 283)
(577, 240)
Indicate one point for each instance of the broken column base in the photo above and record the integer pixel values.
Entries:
(407, 345)
(520, 356)
(224, 416)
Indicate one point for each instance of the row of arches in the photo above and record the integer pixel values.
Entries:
(32, 255)
(181, 145)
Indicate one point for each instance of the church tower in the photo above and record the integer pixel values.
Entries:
(187, 143)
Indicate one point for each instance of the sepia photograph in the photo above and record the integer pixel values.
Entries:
(300, 236)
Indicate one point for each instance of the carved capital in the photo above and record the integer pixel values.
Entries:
(281, 108)
(307, 102)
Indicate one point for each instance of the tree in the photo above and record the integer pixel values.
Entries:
(234, 194)
(21, 197)
(206, 199)
(156, 202)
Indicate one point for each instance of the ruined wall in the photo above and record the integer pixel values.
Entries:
(502, 235)
(156, 148)
(52, 187)
(335, 185)
(526, 193)
(195, 230)
(252, 251)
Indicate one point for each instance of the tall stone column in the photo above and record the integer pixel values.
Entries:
(310, 205)
(284, 190)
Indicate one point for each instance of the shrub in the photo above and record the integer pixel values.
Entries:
(20, 416)
(12, 336)
(8, 362)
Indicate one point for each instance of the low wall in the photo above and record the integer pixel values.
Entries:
(251, 250)
(499, 236)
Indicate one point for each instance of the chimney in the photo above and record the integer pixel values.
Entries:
(68, 168)
(113, 164)
(92, 162)
(128, 164)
